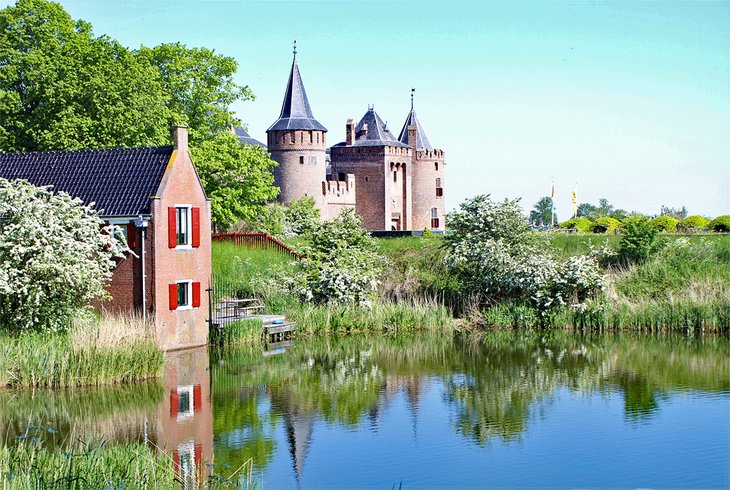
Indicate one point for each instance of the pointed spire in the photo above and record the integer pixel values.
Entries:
(421, 142)
(295, 110)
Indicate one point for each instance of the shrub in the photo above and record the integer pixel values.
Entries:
(496, 258)
(583, 225)
(302, 215)
(606, 225)
(693, 222)
(638, 240)
(342, 264)
(721, 224)
(664, 223)
(53, 257)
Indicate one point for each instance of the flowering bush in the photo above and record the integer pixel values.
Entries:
(54, 258)
(495, 257)
(342, 264)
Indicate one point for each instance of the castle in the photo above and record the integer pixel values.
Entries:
(392, 183)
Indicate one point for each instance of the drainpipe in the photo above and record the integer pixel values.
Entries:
(143, 223)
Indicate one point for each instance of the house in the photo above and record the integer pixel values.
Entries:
(155, 196)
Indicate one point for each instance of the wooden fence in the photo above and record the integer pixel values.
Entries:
(258, 240)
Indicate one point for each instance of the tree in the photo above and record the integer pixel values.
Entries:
(200, 85)
(638, 241)
(677, 213)
(542, 213)
(54, 259)
(63, 88)
(236, 176)
(604, 208)
(586, 210)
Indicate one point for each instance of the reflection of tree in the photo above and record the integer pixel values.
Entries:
(494, 383)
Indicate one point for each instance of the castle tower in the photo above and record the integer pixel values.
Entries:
(297, 141)
(427, 172)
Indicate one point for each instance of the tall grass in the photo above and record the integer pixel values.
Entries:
(26, 464)
(94, 352)
(238, 332)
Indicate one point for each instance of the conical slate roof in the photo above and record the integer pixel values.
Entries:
(295, 111)
(244, 137)
(421, 142)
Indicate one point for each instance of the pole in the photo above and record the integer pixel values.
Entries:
(144, 282)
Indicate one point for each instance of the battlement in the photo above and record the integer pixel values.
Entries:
(339, 194)
(425, 154)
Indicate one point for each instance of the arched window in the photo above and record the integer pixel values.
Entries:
(434, 218)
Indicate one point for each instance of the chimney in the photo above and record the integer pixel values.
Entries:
(412, 138)
(180, 138)
(349, 132)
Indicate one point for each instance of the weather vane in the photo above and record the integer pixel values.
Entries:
(295, 49)
(413, 91)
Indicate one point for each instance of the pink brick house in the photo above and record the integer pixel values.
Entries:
(155, 196)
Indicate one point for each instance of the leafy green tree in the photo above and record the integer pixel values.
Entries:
(604, 208)
(586, 210)
(54, 259)
(200, 85)
(541, 214)
(721, 224)
(63, 88)
(694, 222)
(237, 177)
(665, 223)
(677, 213)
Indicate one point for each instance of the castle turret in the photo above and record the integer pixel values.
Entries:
(427, 173)
(297, 141)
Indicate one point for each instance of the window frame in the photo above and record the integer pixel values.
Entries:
(188, 235)
(188, 288)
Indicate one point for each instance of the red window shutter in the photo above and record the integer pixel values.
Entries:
(198, 456)
(131, 235)
(196, 294)
(197, 398)
(171, 228)
(176, 461)
(195, 219)
(174, 403)
(173, 296)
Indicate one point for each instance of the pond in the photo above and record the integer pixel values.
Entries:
(497, 410)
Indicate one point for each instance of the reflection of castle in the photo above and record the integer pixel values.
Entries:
(392, 183)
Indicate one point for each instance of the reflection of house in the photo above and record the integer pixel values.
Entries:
(155, 196)
(185, 418)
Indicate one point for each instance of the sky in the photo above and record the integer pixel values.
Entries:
(628, 101)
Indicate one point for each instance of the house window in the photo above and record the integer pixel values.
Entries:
(183, 295)
(182, 225)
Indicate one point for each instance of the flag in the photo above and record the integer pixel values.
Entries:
(552, 206)
(574, 200)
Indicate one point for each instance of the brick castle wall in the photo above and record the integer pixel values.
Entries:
(302, 164)
(425, 175)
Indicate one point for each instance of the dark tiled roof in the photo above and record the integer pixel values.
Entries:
(377, 133)
(244, 137)
(421, 142)
(119, 180)
(295, 111)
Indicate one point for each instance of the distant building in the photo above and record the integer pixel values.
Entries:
(155, 196)
(392, 183)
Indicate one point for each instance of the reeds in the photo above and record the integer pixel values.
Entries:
(108, 350)
(239, 332)
(27, 464)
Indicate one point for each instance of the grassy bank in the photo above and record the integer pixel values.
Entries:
(94, 352)
(25, 464)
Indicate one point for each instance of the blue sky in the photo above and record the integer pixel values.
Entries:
(630, 100)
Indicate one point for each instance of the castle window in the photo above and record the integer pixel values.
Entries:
(311, 138)
(317, 136)
(395, 176)
(434, 218)
(293, 137)
(313, 160)
(436, 164)
(439, 189)
(367, 179)
(301, 160)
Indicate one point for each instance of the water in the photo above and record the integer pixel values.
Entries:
(504, 410)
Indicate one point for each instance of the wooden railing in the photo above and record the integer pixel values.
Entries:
(258, 240)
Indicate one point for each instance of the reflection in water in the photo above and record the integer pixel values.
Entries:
(407, 401)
